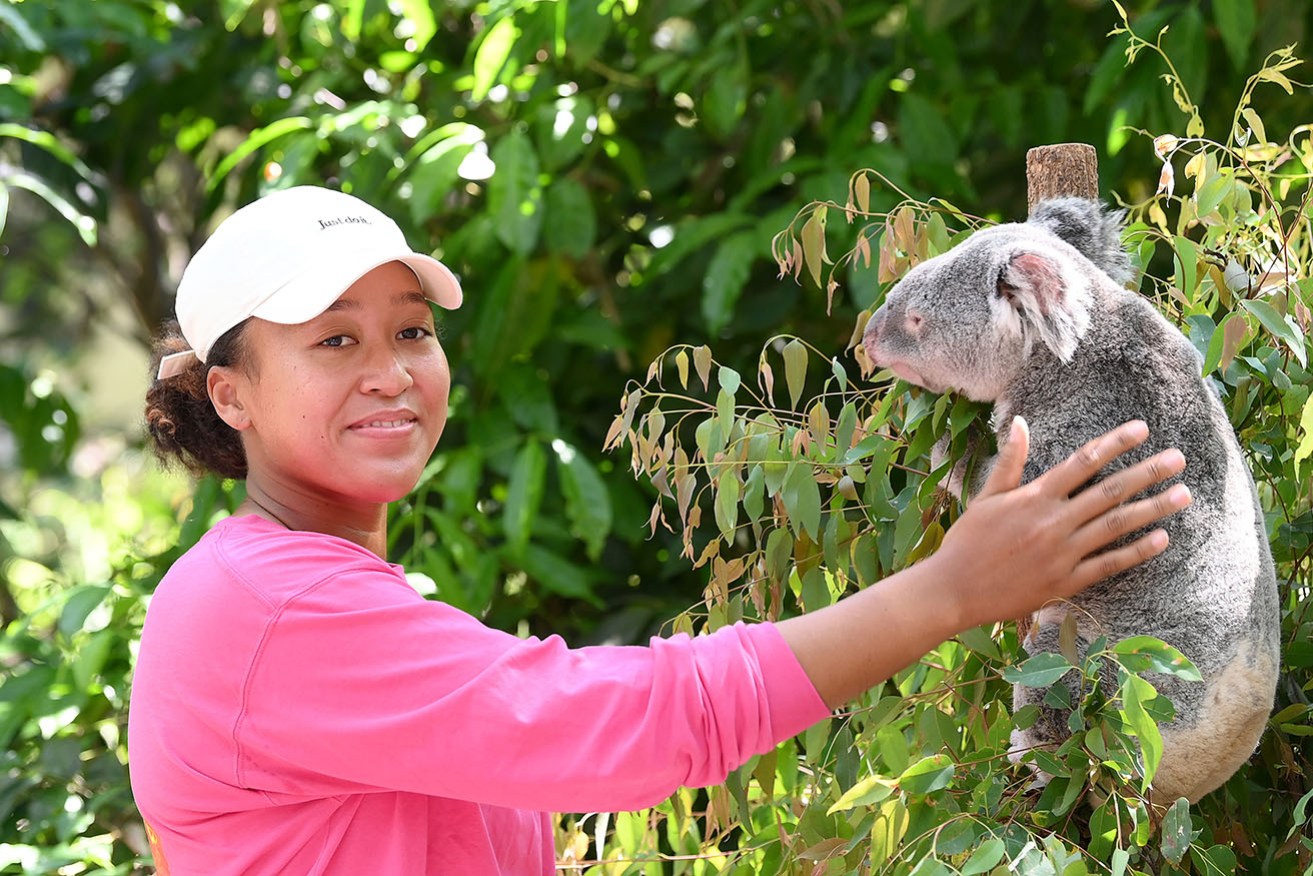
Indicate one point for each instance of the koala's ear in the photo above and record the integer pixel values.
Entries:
(1029, 280)
(1037, 293)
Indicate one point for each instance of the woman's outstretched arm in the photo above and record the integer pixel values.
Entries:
(1014, 549)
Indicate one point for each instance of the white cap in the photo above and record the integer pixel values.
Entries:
(285, 258)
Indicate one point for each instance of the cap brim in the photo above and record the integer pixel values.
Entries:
(310, 294)
(437, 281)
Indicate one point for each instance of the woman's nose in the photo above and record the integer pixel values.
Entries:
(387, 373)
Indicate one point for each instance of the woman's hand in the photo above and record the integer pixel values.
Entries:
(1017, 547)
(1014, 549)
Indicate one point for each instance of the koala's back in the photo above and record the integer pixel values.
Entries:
(1134, 364)
(1212, 594)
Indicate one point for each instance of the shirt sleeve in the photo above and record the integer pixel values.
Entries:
(361, 684)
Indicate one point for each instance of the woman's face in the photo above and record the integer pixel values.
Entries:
(348, 406)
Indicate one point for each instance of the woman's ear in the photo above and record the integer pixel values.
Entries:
(226, 387)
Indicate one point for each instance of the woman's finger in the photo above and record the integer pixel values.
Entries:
(1109, 563)
(1117, 488)
(1011, 460)
(1124, 519)
(1067, 476)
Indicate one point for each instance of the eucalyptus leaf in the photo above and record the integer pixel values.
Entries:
(727, 504)
(986, 856)
(795, 369)
(754, 493)
(843, 432)
(1283, 327)
(813, 244)
(927, 775)
(1305, 448)
(1146, 653)
(870, 790)
(729, 380)
(1216, 860)
(779, 553)
(1104, 829)
(840, 373)
(1040, 670)
(802, 500)
(1176, 831)
(1135, 691)
(865, 448)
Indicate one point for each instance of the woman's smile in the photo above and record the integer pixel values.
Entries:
(387, 424)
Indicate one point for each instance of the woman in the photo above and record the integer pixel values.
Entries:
(298, 708)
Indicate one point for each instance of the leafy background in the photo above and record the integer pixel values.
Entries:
(609, 178)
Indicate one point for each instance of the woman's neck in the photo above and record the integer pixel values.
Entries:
(365, 525)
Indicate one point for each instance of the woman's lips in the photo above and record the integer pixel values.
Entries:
(382, 424)
(386, 423)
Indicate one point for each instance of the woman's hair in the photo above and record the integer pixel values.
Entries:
(183, 426)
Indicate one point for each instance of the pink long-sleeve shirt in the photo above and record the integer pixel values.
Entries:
(298, 708)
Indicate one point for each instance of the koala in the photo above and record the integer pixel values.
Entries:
(1035, 318)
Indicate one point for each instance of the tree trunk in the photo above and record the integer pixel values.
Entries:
(1061, 169)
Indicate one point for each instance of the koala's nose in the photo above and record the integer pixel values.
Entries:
(871, 335)
(874, 324)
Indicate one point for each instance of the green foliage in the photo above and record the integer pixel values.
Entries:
(77, 560)
(607, 177)
(828, 486)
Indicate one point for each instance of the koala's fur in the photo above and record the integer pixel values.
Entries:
(1033, 317)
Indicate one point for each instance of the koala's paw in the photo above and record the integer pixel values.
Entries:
(955, 481)
(939, 452)
(1021, 742)
(969, 473)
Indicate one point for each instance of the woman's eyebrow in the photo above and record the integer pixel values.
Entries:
(410, 297)
(343, 304)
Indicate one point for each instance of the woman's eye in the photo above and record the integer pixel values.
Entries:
(415, 332)
(335, 341)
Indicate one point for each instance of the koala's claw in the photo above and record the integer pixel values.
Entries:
(1022, 742)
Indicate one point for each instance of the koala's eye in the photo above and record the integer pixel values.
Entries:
(914, 321)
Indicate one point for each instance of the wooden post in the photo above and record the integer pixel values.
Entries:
(1061, 169)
